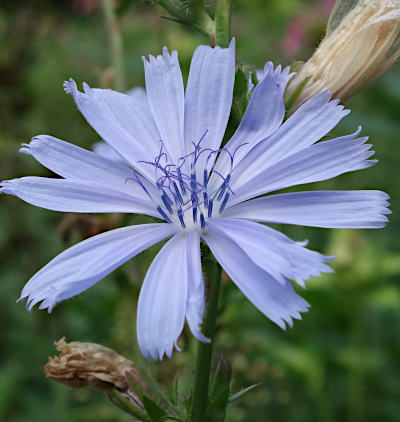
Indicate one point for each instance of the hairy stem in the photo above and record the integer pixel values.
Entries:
(204, 350)
(114, 34)
(223, 22)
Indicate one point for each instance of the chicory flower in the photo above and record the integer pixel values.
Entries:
(179, 172)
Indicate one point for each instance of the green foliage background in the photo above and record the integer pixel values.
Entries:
(340, 363)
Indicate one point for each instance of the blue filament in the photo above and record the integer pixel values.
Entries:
(167, 202)
(223, 204)
(163, 215)
(202, 221)
(224, 186)
(180, 191)
(180, 216)
(181, 182)
(210, 208)
(194, 214)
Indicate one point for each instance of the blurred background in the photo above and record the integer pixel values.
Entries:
(340, 363)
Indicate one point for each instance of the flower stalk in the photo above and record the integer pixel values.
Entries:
(116, 45)
(204, 350)
(189, 12)
(222, 22)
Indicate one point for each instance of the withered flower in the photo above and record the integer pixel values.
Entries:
(362, 41)
(90, 365)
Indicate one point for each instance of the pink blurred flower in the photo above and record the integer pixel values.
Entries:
(295, 37)
(327, 6)
(84, 7)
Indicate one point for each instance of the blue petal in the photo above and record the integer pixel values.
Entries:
(86, 263)
(173, 278)
(263, 116)
(362, 209)
(165, 93)
(208, 97)
(71, 162)
(69, 195)
(122, 121)
(311, 122)
(272, 251)
(277, 301)
(104, 150)
(196, 293)
(321, 161)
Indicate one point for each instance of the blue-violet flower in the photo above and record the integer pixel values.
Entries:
(177, 171)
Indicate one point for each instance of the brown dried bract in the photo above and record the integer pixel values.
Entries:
(362, 42)
(90, 365)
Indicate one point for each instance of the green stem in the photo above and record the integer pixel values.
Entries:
(204, 350)
(114, 34)
(223, 22)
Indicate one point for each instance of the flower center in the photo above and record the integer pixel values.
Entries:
(184, 196)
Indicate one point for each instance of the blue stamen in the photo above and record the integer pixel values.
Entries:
(194, 214)
(181, 182)
(224, 186)
(179, 189)
(210, 208)
(180, 216)
(167, 202)
(205, 178)
(193, 181)
(221, 208)
(163, 215)
(205, 197)
(202, 221)
(178, 194)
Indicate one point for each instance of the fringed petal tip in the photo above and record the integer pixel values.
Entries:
(287, 321)
(166, 58)
(32, 301)
(70, 87)
(158, 353)
(282, 76)
(325, 98)
(232, 46)
(8, 186)
(26, 148)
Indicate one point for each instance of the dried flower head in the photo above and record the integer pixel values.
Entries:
(362, 42)
(89, 365)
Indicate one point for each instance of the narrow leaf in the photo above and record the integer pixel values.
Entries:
(156, 413)
(241, 393)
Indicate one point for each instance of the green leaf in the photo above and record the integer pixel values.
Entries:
(188, 12)
(156, 392)
(242, 392)
(156, 413)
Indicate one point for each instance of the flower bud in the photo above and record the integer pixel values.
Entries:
(90, 365)
(362, 42)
